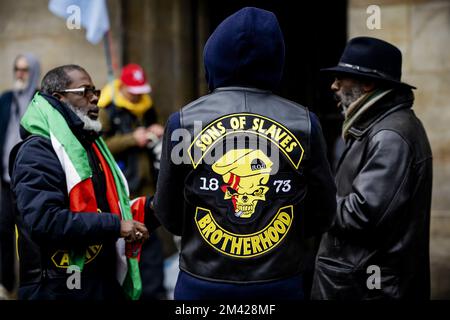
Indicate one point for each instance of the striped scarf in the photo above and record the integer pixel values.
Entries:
(358, 107)
(44, 120)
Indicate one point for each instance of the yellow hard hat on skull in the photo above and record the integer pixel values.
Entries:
(243, 163)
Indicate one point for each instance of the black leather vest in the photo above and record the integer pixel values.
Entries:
(245, 155)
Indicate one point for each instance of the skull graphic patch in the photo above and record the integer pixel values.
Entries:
(244, 183)
(245, 173)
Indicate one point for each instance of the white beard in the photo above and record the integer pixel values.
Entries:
(20, 85)
(89, 124)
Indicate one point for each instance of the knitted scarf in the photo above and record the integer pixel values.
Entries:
(44, 120)
(358, 107)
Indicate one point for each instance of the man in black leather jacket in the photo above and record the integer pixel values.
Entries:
(378, 245)
(244, 213)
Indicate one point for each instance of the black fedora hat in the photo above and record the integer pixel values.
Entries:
(371, 58)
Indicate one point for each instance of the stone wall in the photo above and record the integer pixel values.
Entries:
(28, 25)
(159, 34)
(421, 29)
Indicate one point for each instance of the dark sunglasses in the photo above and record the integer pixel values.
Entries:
(83, 91)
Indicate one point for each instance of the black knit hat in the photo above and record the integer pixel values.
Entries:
(371, 58)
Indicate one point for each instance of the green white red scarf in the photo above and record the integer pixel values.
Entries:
(44, 120)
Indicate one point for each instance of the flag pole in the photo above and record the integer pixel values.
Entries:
(108, 54)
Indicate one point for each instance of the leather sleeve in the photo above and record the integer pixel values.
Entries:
(151, 221)
(380, 188)
(41, 195)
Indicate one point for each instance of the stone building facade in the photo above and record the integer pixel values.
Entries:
(421, 29)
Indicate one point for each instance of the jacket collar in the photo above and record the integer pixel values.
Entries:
(395, 100)
(241, 88)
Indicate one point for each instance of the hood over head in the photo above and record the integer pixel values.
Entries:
(23, 97)
(34, 68)
(246, 49)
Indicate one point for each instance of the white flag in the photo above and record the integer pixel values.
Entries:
(93, 15)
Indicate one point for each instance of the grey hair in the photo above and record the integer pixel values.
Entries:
(57, 79)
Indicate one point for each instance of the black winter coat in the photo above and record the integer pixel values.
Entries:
(384, 182)
(48, 230)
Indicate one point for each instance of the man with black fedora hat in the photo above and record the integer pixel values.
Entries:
(378, 244)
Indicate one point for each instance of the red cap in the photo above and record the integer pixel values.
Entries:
(133, 76)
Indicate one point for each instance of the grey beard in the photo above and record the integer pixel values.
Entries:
(89, 124)
(347, 98)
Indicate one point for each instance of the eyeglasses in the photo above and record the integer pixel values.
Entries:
(83, 91)
(20, 69)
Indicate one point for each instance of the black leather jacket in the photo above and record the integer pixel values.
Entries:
(384, 181)
(244, 221)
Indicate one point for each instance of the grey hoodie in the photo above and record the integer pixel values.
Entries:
(18, 107)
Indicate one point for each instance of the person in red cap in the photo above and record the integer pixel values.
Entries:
(131, 130)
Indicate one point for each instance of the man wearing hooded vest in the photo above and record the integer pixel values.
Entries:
(244, 178)
(13, 104)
